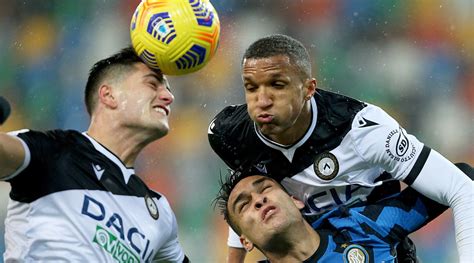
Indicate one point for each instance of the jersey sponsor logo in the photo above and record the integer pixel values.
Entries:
(326, 166)
(398, 147)
(323, 201)
(363, 122)
(138, 242)
(152, 208)
(117, 249)
(98, 170)
(355, 254)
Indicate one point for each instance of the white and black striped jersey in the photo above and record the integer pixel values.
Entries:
(73, 200)
(340, 159)
(349, 149)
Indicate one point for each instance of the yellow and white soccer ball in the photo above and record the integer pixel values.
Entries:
(176, 36)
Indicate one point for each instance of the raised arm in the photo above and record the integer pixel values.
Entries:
(385, 144)
(12, 153)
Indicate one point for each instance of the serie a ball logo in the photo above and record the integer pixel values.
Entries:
(176, 36)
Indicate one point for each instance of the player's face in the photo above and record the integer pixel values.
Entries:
(262, 209)
(145, 101)
(275, 93)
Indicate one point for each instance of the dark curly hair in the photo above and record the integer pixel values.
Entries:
(227, 183)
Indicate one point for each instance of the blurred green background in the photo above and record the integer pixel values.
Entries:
(413, 58)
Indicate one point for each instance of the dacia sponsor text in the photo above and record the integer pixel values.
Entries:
(114, 223)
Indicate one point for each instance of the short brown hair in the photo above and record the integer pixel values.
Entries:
(121, 62)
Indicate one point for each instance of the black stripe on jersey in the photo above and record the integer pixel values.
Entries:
(467, 169)
(404, 201)
(232, 136)
(387, 188)
(420, 162)
(63, 160)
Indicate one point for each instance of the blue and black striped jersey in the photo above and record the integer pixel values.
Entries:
(371, 232)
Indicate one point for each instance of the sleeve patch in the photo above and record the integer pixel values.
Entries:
(398, 147)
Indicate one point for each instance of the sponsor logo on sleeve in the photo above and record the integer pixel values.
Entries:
(363, 122)
(326, 166)
(398, 147)
(355, 254)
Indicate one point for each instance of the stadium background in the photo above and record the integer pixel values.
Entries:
(413, 58)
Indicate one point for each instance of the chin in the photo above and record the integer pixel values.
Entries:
(268, 129)
(159, 131)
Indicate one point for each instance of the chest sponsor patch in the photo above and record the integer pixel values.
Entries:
(326, 166)
(114, 246)
(355, 254)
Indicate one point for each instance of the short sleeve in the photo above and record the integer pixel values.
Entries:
(381, 141)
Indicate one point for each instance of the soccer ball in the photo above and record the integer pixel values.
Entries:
(176, 36)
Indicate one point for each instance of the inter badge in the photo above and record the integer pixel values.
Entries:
(326, 166)
(355, 254)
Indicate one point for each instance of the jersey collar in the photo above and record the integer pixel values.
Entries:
(289, 150)
(127, 172)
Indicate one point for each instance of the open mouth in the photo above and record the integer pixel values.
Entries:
(161, 109)
(268, 212)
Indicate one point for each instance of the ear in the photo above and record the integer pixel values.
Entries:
(298, 203)
(248, 245)
(106, 96)
(310, 85)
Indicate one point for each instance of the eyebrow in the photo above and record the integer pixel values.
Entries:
(243, 194)
(161, 79)
(155, 76)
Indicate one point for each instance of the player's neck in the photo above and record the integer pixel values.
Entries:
(124, 143)
(299, 246)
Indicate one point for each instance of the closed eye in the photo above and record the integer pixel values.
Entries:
(243, 206)
(153, 85)
(278, 84)
(249, 87)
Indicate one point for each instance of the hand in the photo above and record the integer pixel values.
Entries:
(4, 110)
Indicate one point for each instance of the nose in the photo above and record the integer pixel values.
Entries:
(260, 201)
(166, 95)
(264, 98)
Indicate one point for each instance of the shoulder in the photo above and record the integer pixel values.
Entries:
(337, 105)
(232, 124)
(230, 119)
(47, 135)
(50, 138)
(371, 115)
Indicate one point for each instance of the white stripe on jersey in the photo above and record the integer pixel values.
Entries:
(127, 172)
(88, 226)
